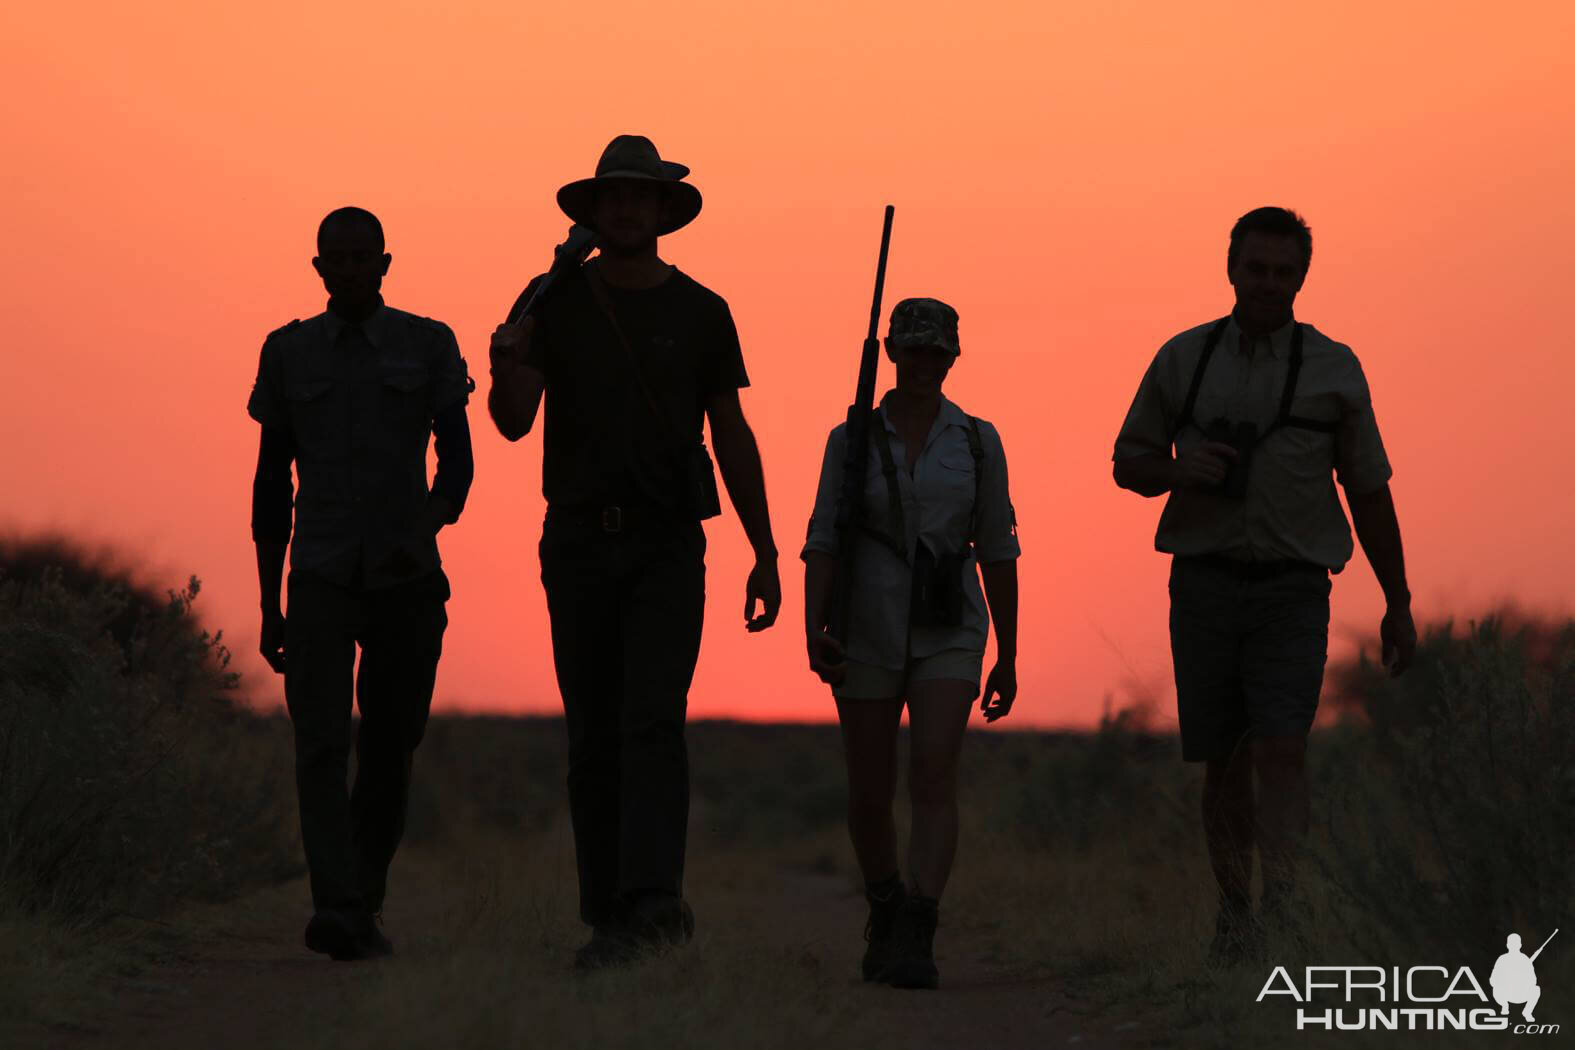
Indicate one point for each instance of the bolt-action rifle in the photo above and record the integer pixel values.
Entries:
(571, 253)
(850, 509)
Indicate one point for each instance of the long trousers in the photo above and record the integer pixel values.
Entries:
(351, 835)
(626, 610)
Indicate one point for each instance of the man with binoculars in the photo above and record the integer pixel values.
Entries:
(1264, 414)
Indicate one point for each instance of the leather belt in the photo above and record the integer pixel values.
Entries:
(1254, 570)
(611, 518)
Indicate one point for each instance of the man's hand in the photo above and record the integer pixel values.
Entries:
(272, 646)
(1397, 634)
(1002, 686)
(405, 558)
(764, 587)
(1203, 467)
(509, 344)
(827, 658)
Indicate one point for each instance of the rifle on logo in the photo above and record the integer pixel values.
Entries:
(850, 509)
(1538, 952)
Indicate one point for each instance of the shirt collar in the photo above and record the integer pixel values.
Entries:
(378, 327)
(949, 414)
(1278, 341)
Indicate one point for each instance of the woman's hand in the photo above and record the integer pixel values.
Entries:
(1002, 685)
(827, 658)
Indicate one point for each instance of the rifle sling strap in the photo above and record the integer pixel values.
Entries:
(636, 373)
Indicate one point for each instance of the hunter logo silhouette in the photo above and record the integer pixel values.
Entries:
(1514, 977)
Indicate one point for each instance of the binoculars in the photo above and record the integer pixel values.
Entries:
(938, 596)
(1243, 437)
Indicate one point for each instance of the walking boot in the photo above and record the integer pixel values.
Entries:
(913, 945)
(332, 933)
(660, 920)
(885, 901)
(610, 945)
(1238, 936)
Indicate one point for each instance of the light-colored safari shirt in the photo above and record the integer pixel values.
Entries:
(359, 400)
(937, 506)
(1290, 509)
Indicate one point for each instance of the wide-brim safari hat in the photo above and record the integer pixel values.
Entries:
(634, 158)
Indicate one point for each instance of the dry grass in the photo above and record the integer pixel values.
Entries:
(131, 784)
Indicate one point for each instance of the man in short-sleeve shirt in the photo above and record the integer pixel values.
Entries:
(351, 398)
(1264, 414)
(633, 356)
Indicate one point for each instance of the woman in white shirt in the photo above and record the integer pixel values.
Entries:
(936, 505)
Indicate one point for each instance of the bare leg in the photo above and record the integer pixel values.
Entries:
(1283, 812)
(869, 744)
(1227, 826)
(937, 716)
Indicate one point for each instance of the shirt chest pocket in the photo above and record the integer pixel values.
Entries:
(949, 490)
(1307, 451)
(405, 393)
(955, 474)
(311, 408)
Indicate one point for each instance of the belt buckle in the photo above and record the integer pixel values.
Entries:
(612, 519)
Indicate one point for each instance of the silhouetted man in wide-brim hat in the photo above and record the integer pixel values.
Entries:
(633, 356)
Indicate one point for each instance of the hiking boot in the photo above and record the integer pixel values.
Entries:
(333, 934)
(913, 945)
(879, 927)
(1287, 925)
(373, 942)
(1238, 937)
(660, 920)
(609, 946)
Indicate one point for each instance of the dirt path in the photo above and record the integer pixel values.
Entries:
(980, 1003)
(247, 982)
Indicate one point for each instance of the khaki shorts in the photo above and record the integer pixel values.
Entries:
(1249, 655)
(868, 682)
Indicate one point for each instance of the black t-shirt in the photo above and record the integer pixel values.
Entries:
(602, 444)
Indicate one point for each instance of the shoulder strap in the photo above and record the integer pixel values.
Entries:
(636, 373)
(976, 448)
(1210, 341)
(1292, 371)
(897, 540)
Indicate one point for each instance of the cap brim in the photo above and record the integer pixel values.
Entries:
(684, 199)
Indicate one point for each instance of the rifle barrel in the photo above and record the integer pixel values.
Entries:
(880, 271)
(850, 511)
(1538, 952)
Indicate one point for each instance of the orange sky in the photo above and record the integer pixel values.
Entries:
(1065, 178)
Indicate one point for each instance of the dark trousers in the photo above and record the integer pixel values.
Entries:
(626, 612)
(351, 835)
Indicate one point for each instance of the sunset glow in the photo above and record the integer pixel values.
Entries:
(1065, 175)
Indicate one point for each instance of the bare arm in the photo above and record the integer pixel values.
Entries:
(738, 457)
(1156, 473)
(827, 658)
(1378, 530)
(515, 395)
(1000, 590)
